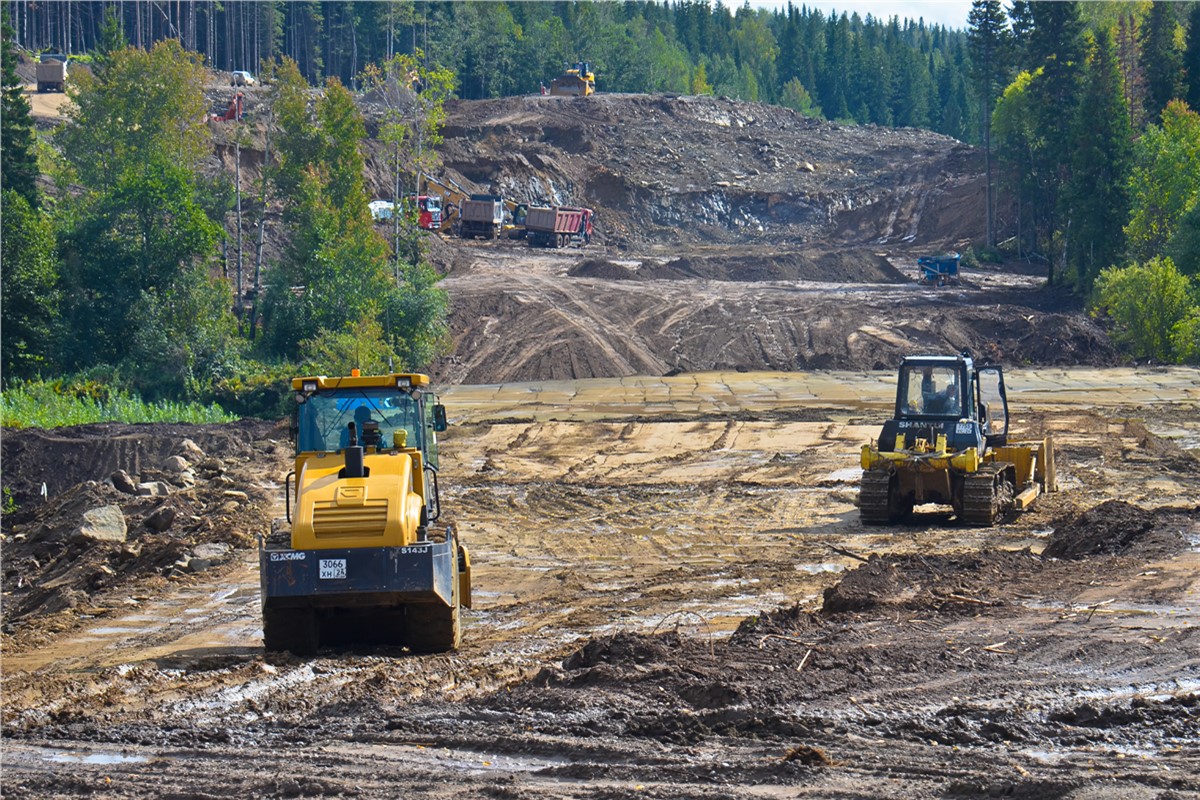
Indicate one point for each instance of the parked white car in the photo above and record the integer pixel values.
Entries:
(381, 209)
(242, 78)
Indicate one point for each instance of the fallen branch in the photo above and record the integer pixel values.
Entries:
(804, 660)
(1095, 607)
(848, 554)
(790, 639)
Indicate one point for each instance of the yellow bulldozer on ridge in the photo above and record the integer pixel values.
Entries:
(575, 81)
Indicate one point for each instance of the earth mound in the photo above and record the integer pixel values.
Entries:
(1110, 528)
(124, 507)
(938, 583)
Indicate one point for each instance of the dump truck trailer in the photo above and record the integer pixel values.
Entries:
(558, 226)
(51, 72)
(481, 216)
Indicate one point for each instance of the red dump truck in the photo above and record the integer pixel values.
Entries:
(558, 226)
(482, 215)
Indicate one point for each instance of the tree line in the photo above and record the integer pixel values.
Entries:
(840, 66)
(1085, 113)
(110, 237)
(1092, 121)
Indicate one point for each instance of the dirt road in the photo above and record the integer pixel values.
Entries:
(520, 316)
(671, 600)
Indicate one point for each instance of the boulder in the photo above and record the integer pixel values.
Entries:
(191, 451)
(175, 465)
(213, 551)
(105, 524)
(153, 489)
(160, 519)
(123, 483)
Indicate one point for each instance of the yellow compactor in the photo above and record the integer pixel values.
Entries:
(359, 558)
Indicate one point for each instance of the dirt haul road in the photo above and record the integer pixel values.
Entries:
(517, 316)
(671, 600)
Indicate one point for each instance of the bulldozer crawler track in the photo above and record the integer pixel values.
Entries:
(875, 498)
(987, 494)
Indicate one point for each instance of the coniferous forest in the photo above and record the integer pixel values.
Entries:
(1085, 114)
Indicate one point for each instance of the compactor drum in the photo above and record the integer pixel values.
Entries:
(359, 559)
(948, 444)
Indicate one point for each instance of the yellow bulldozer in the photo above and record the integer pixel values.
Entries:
(948, 444)
(359, 558)
(575, 81)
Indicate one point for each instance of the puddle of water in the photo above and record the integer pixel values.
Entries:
(112, 631)
(848, 475)
(723, 582)
(1091, 751)
(66, 757)
(817, 569)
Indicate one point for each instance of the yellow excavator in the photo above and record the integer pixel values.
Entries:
(359, 559)
(948, 444)
(575, 81)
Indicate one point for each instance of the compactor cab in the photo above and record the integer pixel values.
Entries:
(947, 443)
(360, 559)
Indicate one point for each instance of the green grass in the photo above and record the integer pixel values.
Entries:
(48, 405)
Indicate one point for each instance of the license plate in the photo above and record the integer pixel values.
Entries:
(332, 568)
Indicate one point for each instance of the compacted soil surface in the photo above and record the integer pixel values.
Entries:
(673, 597)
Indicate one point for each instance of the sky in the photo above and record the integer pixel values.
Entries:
(948, 13)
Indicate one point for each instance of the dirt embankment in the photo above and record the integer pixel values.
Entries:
(728, 236)
(108, 509)
(668, 170)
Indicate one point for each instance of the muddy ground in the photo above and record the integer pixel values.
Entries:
(668, 603)
(673, 594)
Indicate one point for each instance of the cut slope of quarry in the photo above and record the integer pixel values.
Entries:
(665, 170)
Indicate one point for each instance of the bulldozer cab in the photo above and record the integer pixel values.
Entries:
(934, 388)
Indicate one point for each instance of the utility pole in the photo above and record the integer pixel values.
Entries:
(237, 150)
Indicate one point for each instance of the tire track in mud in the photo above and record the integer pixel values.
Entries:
(619, 548)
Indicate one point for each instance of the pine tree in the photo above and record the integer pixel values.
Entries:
(1021, 24)
(1132, 72)
(1100, 164)
(1191, 59)
(989, 40)
(1057, 45)
(112, 38)
(18, 153)
(1161, 60)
